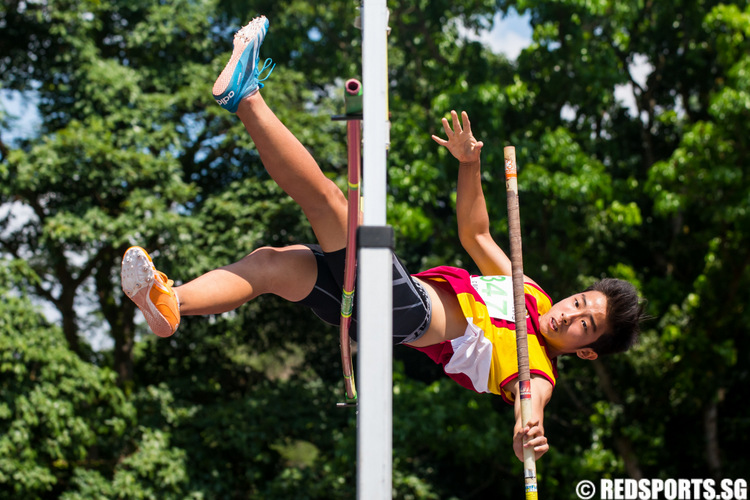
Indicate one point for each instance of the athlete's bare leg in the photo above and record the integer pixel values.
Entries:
(296, 172)
(288, 272)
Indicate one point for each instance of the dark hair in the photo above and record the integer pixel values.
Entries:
(625, 311)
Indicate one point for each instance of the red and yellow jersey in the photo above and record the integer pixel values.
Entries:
(484, 359)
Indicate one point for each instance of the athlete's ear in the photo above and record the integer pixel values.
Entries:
(587, 353)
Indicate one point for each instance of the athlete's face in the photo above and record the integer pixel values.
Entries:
(575, 322)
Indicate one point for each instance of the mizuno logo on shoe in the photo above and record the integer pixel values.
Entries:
(226, 99)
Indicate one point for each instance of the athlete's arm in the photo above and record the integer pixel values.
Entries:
(541, 392)
(471, 207)
(474, 223)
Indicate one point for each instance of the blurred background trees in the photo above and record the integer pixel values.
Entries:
(631, 124)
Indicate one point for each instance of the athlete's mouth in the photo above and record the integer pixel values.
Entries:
(553, 324)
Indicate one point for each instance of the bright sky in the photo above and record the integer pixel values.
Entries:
(24, 115)
(510, 35)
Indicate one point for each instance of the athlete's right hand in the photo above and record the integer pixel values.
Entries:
(461, 142)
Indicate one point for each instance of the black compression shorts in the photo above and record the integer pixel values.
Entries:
(411, 304)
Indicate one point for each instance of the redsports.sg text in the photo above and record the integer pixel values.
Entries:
(664, 489)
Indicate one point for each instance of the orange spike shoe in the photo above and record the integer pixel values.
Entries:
(151, 291)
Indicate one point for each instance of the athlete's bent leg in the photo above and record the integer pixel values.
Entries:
(288, 272)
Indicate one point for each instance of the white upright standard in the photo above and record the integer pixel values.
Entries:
(375, 363)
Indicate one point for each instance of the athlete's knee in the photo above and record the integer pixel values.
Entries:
(266, 258)
(290, 272)
(267, 254)
(259, 265)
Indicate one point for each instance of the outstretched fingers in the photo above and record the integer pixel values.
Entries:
(466, 122)
(460, 141)
(440, 140)
(456, 124)
(448, 132)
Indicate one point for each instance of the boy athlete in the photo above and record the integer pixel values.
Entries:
(439, 312)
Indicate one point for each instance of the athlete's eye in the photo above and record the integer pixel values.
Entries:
(575, 301)
(585, 326)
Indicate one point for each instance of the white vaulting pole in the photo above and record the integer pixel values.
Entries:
(522, 347)
(375, 378)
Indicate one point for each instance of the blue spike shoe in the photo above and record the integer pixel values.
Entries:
(241, 76)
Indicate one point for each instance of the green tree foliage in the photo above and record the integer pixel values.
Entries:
(54, 407)
(132, 150)
(66, 428)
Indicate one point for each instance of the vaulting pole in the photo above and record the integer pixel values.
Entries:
(519, 300)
